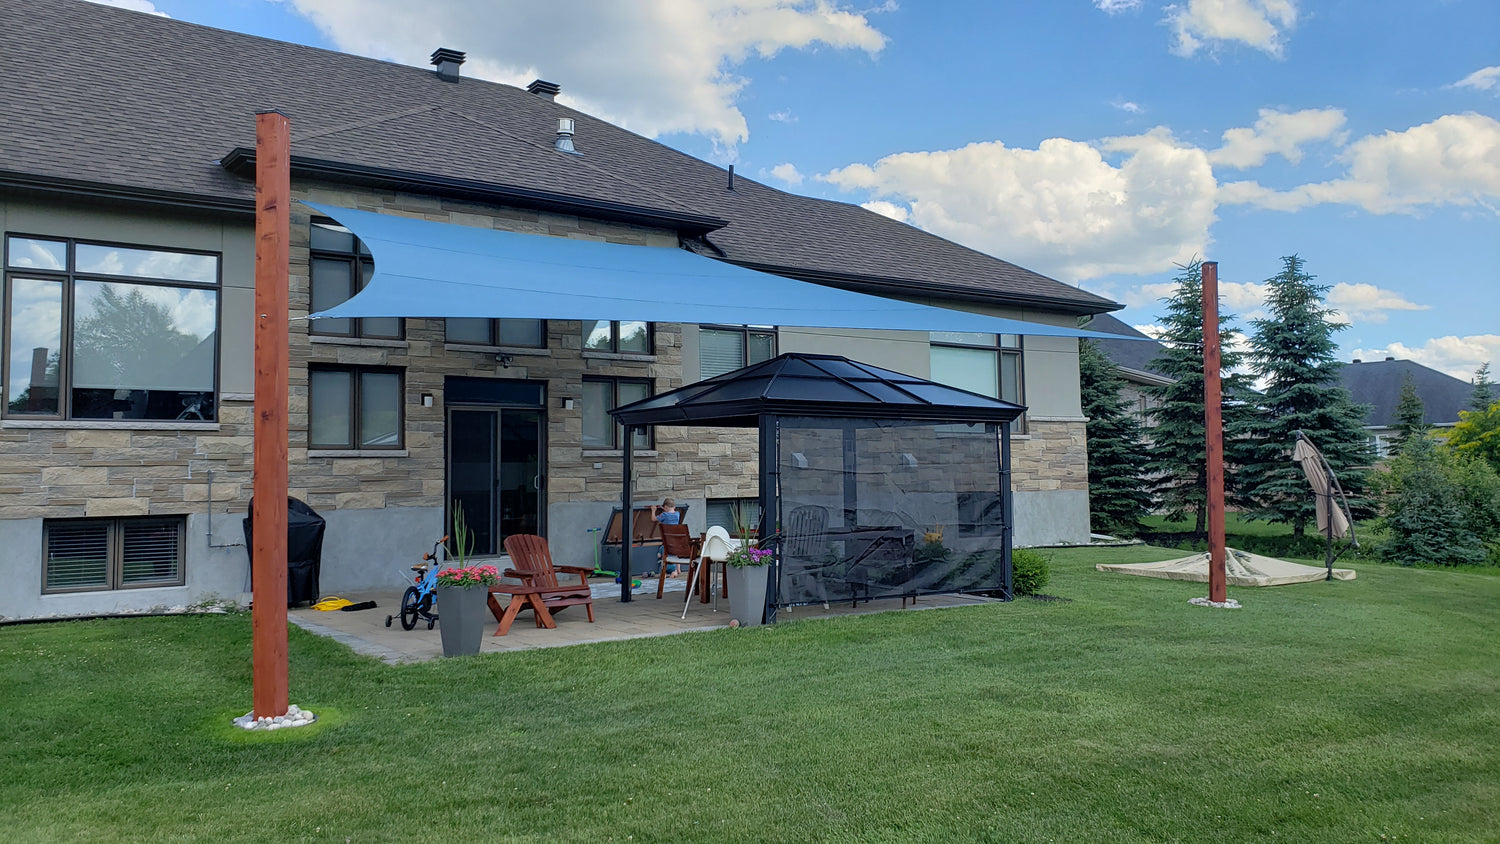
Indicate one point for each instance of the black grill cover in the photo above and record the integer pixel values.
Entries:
(304, 550)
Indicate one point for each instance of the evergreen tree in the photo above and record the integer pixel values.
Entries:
(1118, 494)
(1292, 352)
(1411, 415)
(1177, 454)
(1484, 394)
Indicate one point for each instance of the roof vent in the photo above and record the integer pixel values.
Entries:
(544, 89)
(564, 142)
(1357, 360)
(447, 61)
(1390, 358)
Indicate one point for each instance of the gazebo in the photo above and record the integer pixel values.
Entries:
(873, 483)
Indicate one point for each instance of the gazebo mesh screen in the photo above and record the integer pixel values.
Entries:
(877, 509)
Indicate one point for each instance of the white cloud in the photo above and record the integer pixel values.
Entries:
(1128, 106)
(134, 5)
(1278, 133)
(1062, 208)
(1454, 160)
(1457, 356)
(783, 116)
(1114, 7)
(1206, 23)
(653, 66)
(787, 173)
(1368, 303)
(1484, 79)
(887, 209)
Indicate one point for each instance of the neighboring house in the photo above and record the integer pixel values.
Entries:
(1377, 383)
(1132, 359)
(126, 207)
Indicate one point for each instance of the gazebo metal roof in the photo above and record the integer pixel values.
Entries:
(797, 384)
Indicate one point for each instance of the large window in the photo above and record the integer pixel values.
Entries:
(734, 514)
(341, 266)
(101, 331)
(629, 338)
(988, 364)
(600, 396)
(522, 333)
(724, 349)
(354, 407)
(94, 554)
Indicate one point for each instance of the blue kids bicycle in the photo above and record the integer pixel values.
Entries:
(419, 598)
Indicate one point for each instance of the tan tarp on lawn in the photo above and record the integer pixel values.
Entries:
(1240, 569)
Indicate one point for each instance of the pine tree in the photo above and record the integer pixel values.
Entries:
(1177, 454)
(1292, 352)
(1425, 519)
(1411, 415)
(1484, 394)
(1118, 493)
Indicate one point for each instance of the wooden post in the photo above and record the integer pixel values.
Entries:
(273, 198)
(1213, 427)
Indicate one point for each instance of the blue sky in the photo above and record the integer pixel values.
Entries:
(1096, 141)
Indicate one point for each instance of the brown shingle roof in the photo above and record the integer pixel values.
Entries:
(103, 96)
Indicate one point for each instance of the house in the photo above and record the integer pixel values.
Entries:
(1378, 384)
(126, 189)
(1133, 361)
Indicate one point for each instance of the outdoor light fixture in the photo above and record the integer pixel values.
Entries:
(908, 460)
(427, 399)
(567, 404)
(799, 460)
(505, 360)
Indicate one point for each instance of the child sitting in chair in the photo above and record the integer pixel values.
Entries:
(666, 513)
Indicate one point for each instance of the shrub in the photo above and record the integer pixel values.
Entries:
(1030, 571)
(1439, 509)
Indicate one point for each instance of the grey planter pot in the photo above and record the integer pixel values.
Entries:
(461, 617)
(747, 593)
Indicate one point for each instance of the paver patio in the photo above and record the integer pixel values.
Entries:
(365, 631)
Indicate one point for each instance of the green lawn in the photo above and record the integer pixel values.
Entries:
(1353, 711)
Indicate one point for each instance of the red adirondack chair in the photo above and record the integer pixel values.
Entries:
(540, 590)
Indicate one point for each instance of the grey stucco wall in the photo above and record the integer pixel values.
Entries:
(217, 572)
(1052, 517)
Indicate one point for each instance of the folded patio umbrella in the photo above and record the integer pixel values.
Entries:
(1325, 485)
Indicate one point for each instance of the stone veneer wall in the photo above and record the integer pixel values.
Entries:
(1053, 457)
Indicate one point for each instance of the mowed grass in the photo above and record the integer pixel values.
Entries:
(1353, 711)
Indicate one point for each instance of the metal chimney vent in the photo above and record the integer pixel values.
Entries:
(447, 61)
(544, 89)
(564, 142)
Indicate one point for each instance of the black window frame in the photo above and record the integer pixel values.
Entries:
(355, 387)
(1001, 350)
(494, 340)
(68, 277)
(745, 331)
(114, 567)
(357, 257)
(616, 438)
(614, 338)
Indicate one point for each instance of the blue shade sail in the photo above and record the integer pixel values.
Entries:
(431, 270)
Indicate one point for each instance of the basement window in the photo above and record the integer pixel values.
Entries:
(84, 555)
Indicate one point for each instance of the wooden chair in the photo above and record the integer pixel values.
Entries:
(540, 590)
(678, 548)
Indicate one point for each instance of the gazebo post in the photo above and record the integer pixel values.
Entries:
(1007, 534)
(770, 514)
(627, 520)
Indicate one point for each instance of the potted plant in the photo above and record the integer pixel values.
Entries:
(746, 573)
(462, 591)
